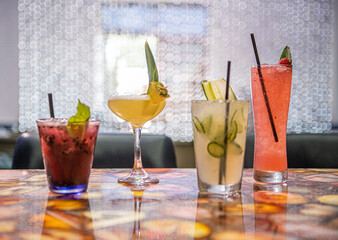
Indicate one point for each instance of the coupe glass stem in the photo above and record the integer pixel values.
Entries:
(137, 148)
(138, 176)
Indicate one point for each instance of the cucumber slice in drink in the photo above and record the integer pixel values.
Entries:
(234, 148)
(232, 131)
(207, 123)
(204, 125)
(198, 125)
(216, 150)
(238, 118)
(216, 132)
(215, 90)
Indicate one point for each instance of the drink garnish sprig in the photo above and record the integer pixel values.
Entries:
(77, 124)
(156, 90)
(285, 58)
(216, 90)
(82, 115)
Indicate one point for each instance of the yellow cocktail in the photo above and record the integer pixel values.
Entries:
(136, 110)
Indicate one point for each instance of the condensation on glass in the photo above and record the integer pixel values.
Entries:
(88, 50)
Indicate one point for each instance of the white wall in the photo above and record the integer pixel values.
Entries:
(335, 71)
(9, 70)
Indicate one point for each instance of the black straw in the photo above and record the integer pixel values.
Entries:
(263, 88)
(51, 108)
(228, 81)
(227, 108)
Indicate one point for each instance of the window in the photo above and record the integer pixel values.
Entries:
(86, 50)
(176, 35)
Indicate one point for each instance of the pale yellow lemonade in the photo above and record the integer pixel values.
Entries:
(209, 130)
(135, 109)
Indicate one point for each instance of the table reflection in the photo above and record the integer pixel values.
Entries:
(270, 199)
(68, 216)
(138, 192)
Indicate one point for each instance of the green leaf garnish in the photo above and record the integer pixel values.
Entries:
(152, 70)
(156, 90)
(286, 54)
(77, 124)
(82, 115)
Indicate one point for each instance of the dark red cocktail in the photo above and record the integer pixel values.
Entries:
(67, 151)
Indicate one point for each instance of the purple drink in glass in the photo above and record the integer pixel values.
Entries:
(68, 151)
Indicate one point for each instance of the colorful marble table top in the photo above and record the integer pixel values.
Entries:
(305, 208)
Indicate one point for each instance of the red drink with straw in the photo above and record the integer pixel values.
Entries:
(67, 147)
(271, 89)
(67, 155)
(270, 160)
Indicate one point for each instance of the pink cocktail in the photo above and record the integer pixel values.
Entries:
(270, 160)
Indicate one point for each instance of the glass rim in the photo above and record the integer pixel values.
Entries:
(64, 121)
(272, 65)
(218, 101)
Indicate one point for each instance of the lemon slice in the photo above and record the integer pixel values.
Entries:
(77, 129)
(215, 90)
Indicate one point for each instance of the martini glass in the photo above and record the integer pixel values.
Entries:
(136, 110)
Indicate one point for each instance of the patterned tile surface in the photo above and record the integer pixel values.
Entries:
(305, 208)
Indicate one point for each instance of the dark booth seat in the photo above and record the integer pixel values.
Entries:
(111, 151)
(304, 150)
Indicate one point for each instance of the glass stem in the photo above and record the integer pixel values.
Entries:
(137, 148)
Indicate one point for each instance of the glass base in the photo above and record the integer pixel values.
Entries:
(270, 176)
(230, 189)
(138, 177)
(259, 186)
(68, 190)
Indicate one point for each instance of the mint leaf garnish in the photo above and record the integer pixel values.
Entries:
(82, 115)
(152, 70)
(286, 54)
(77, 124)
